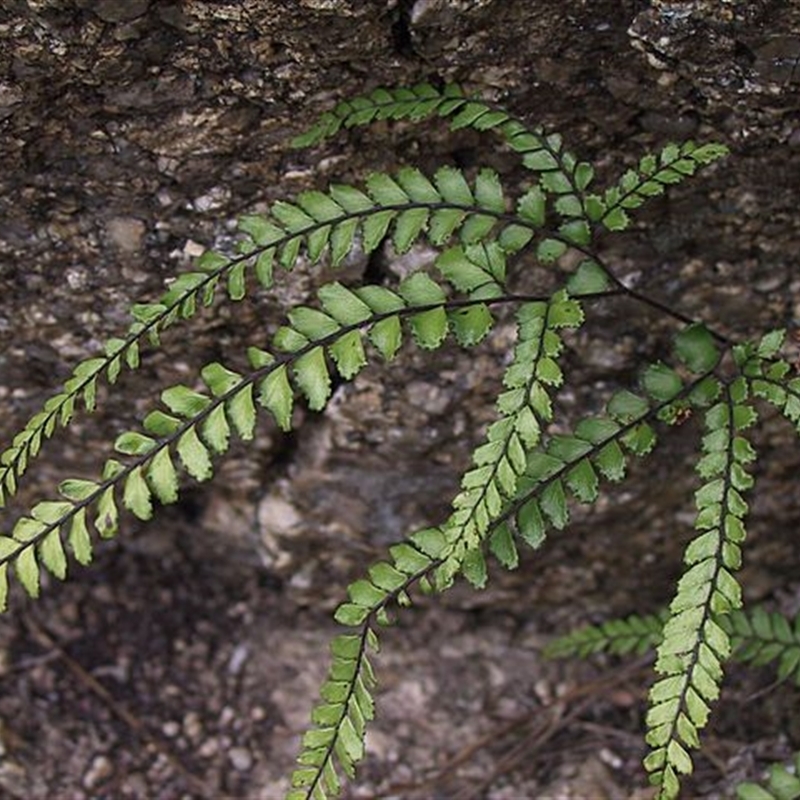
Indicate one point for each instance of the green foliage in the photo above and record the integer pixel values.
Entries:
(654, 174)
(502, 461)
(782, 783)
(635, 634)
(757, 637)
(337, 738)
(531, 466)
(695, 646)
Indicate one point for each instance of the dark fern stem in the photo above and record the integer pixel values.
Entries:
(530, 466)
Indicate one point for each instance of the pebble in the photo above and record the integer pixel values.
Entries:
(192, 725)
(77, 278)
(100, 770)
(768, 284)
(216, 197)
(120, 10)
(241, 758)
(238, 659)
(209, 748)
(193, 249)
(126, 233)
(226, 716)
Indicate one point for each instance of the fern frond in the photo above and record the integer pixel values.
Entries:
(561, 174)
(634, 634)
(58, 410)
(337, 740)
(695, 645)
(541, 152)
(782, 783)
(770, 377)
(653, 175)
(409, 205)
(526, 473)
(757, 637)
(339, 721)
(195, 425)
(761, 637)
(523, 408)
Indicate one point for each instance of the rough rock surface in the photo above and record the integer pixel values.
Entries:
(132, 134)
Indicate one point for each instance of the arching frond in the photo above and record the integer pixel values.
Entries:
(695, 645)
(335, 743)
(541, 152)
(193, 426)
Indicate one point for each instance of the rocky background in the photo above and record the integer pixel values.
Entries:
(183, 663)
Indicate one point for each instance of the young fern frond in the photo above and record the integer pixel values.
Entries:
(695, 645)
